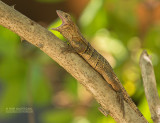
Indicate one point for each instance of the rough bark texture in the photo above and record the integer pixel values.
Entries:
(150, 88)
(73, 63)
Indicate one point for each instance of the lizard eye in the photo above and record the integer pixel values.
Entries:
(66, 16)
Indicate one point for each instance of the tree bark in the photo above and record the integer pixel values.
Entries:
(149, 83)
(73, 63)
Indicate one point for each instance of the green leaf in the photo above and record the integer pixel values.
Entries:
(39, 87)
(93, 18)
(71, 85)
(57, 116)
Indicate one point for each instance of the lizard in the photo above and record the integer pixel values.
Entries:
(81, 46)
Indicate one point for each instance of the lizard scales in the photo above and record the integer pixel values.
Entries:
(71, 32)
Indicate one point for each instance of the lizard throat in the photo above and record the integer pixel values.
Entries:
(58, 28)
(62, 19)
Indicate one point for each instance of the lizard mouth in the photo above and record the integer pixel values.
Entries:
(59, 13)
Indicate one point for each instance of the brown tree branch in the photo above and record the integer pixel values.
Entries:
(149, 83)
(73, 63)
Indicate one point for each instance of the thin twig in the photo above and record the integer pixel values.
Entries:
(149, 83)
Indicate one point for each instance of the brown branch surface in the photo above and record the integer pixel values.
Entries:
(73, 63)
(149, 83)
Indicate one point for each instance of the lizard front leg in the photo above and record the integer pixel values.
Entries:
(68, 49)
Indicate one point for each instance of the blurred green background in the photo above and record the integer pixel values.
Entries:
(32, 82)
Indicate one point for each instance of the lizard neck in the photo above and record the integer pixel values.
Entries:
(69, 31)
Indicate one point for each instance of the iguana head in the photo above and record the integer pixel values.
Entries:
(70, 31)
(66, 21)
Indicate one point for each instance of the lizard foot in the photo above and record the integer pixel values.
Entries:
(103, 111)
(121, 101)
(68, 49)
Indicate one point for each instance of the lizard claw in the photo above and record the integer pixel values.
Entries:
(68, 49)
(103, 111)
(121, 101)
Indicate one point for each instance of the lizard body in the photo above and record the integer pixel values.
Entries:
(71, 32)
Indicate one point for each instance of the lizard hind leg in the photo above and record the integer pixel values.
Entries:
(103, 111)
(121, 101)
